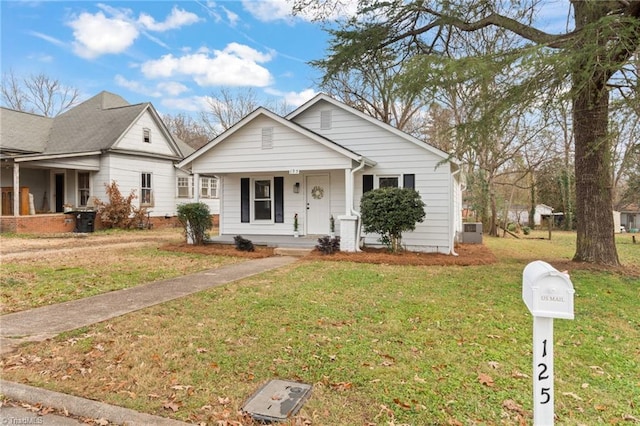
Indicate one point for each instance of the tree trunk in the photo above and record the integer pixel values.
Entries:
(594, 200)
(594, 179)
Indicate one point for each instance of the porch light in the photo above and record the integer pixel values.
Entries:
(296, 187)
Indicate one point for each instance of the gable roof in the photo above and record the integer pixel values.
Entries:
(323, 97)
(284, 122)
(95, 125)
(23, 132)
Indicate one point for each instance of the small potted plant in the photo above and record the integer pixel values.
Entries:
(332, 227)
(67, 207)
(296, 234)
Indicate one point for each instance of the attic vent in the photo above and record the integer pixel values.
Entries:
(267, 137)
(325, 119)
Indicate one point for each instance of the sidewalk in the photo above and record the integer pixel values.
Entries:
(48, 321)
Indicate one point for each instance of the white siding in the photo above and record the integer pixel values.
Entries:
(395, 156)
(293, 203)
(243, 152)
(132, 139)
(126, 170)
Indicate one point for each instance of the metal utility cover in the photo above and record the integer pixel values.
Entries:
(277, 400)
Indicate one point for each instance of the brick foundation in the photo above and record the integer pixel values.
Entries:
(59, 223)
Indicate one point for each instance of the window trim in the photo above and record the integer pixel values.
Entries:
(270, 199)
(388, 176)
(146, 135)
(79, 189)
(149, 203)
(210, 181)
(189, 187)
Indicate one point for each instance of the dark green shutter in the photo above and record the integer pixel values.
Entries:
(367, 183)
(245, 200)
(409, 181)
(278, 195)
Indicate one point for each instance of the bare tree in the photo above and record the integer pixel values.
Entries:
(38, 94)
(187, 129)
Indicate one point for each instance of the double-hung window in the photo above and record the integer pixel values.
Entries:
(262, 199)
(209, 187)
(388, 182)
(184, 187)
(146, 190)
(84, 189)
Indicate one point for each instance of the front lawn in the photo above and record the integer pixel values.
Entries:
(381, 344)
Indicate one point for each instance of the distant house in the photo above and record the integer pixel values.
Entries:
(630, 217)
(50, 165)
(316, 163)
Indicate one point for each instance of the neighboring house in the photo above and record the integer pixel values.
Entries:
(630, 217)
(316, 163)
(62, 163)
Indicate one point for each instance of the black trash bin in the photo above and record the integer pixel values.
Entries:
(85, 221)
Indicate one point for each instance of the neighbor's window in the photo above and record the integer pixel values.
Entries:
(262, 199)
(83, 189)
(184, 187)
(146, 192)
(209, 187)
(388, 182)
(146, 135)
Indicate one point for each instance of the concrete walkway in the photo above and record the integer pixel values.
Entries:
(48, 321)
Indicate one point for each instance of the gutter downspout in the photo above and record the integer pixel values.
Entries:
(351, 208)
(453, 232)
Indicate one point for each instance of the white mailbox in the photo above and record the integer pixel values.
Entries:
(546, 291)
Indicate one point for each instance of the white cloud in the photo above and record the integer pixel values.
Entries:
(294, 99)
(275, 10)
(97, 35)
(268, 11)
(173, 88)
(136, 87)
(176, 19)
(236, 65)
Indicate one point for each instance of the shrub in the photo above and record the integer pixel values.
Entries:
(243, 244)
(526, 230)
(511, 227)
(328, 245)
(196, 221)
(391, 211)
(119, 211)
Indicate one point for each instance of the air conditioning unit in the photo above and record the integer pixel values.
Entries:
(472, 233)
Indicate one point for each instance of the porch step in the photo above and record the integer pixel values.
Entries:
(292, 251)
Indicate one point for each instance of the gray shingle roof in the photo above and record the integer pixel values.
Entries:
(22, 132)
(94, 125)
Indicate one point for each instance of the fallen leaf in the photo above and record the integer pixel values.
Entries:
(341, 386)
(223, 401)
(519, 375)
(402, 404)
(494, 364)
(511, 405)
(572, 395)
(171, 405)
(419, 379)
(485, 379)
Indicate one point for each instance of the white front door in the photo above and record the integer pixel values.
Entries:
(318, 209)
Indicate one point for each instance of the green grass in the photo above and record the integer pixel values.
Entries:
(33, 283)
(381, 345)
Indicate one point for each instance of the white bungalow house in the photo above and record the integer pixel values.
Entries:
(49, 165)
(316, 163)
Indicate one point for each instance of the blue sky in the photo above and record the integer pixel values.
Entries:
(172, 53)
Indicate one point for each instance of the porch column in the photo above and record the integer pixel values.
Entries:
(16, 189)
(348, 191)
(196, 187)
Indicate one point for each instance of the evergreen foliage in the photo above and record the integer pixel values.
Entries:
(391, 211)
(196, 221)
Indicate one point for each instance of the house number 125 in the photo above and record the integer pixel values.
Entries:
(543, 413)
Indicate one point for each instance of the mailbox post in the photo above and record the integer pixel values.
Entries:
(548, 294)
